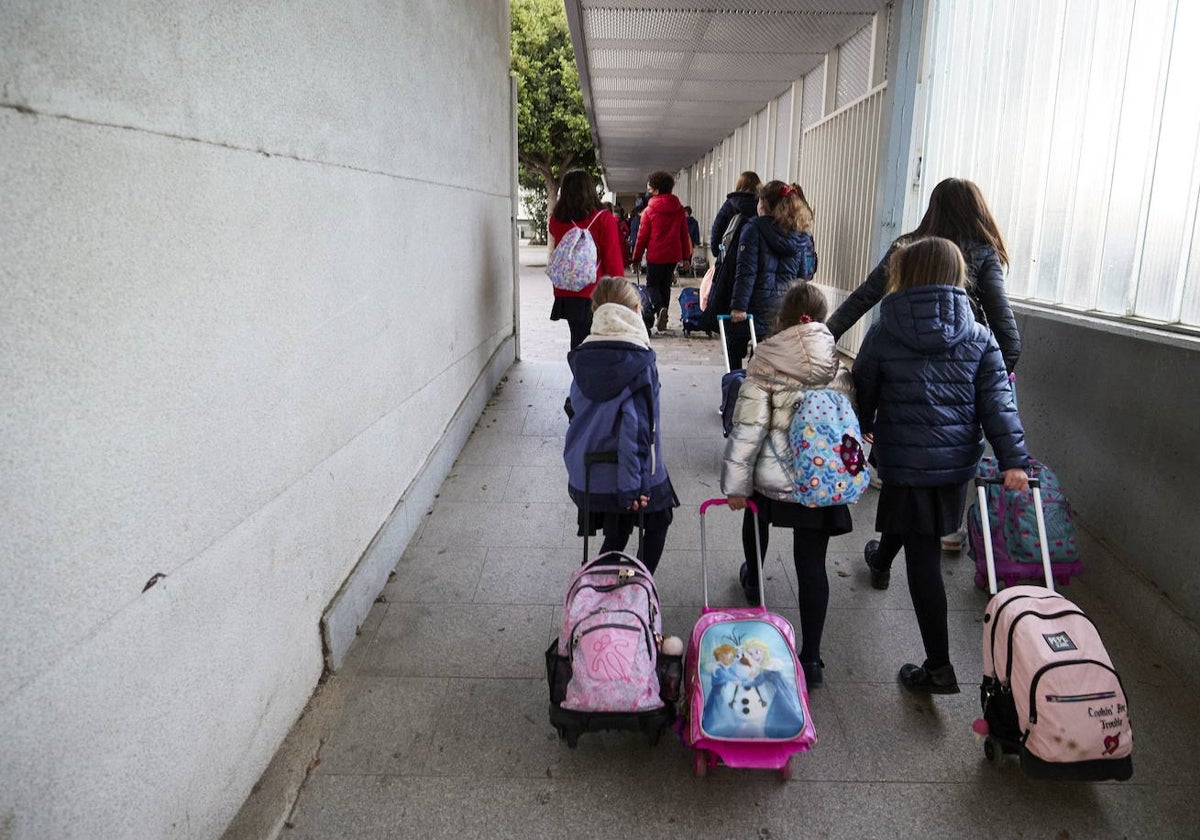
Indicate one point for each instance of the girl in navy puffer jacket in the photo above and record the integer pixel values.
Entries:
(775, 249)
(615, 400)
(927, 377)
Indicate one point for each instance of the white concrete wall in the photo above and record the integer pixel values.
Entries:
(254, 257)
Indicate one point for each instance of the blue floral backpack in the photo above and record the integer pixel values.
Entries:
(829, 465)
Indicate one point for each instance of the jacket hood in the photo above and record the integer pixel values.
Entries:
(666, 205)
(745, 202)
(785, 243)
(805, 354)
(605, 367)
(927, 319)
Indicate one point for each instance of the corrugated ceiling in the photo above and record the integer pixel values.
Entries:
(664, 82)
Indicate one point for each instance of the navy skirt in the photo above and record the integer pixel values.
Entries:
(928, 511)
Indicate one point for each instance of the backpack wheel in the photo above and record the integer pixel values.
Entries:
(572, 737)
(993, 750)
(700, 763)
(786, 770)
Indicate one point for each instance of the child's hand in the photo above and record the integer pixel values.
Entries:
(868, 437)
(737, 316)
(1016, 479)
(640, 502)
(736, 502)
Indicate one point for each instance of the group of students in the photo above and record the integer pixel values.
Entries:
(932, 374)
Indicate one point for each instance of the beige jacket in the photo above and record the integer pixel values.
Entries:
(757, 454)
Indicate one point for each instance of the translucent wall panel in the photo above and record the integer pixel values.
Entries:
(1080, 122)
(783, 124)
(814, 85)
(854, 68)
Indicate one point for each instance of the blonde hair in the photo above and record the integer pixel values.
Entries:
(755, 644)
(615, 290)
(748, 181)
(790, 211)
(931, 261)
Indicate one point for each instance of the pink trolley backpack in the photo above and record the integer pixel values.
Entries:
(745, 701)
(1049, 694)
(605, 670)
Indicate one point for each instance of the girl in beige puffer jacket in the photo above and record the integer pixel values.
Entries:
(757, 463)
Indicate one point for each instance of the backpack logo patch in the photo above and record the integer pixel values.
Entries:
(1059, 642)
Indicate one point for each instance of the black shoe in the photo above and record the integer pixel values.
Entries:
(569, 409)
(940, 680)
(813, 676)
(880, 578)
(751, 593)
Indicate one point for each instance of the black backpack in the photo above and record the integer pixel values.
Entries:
(720, 294)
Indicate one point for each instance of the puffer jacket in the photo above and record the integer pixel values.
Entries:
(927, 376)
(745, 203)
(768, 261)
(615, 399)
(985, 286)
(662, 234)
(757, 453)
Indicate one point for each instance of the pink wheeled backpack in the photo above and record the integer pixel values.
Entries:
(745, 701)
(1050, 693)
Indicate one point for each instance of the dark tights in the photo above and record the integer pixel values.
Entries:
(617, 529)
(808, 553)
(923, 560)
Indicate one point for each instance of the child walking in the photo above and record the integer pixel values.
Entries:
(757, 463)
(615, 399)
(928, 376)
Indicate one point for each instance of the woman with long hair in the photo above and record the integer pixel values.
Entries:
(958, 212)
(579, 206)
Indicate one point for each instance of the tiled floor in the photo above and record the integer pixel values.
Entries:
(446, 735)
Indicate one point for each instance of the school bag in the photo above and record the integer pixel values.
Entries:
(808, 260)
(720, 292)
(608, 642)
(574, 262)
(829, 464)
(1050, 694)
(1014, 528)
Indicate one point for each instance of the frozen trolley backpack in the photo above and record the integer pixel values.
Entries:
(1050, 693)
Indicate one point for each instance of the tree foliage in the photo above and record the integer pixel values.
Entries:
(552, 128)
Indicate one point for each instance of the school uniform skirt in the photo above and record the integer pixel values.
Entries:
(927, 511)
(834, 520)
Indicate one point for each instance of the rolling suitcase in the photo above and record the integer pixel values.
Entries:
(1016, 550)
(731, 381)
(1049, 693)
(605, 670)
(689, 306)
(745, 701)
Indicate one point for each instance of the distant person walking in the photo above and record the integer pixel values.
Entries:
(663, 237)
(579, 207)
(693, 227)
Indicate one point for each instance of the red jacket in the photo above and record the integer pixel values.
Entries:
(663, 235)
(609, 261)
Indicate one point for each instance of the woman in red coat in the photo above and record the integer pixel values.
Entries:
(578, 206)
(663, 237)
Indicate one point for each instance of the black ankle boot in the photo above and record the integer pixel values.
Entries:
(751, 593)
(923, 680)
(813, 673)
(881, 578)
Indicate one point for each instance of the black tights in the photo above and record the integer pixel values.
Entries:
(617, 529)
(923, 561)
(808, 553)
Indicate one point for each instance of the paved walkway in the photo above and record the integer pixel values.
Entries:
(444, 733)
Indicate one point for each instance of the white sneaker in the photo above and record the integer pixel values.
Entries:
(954, 542)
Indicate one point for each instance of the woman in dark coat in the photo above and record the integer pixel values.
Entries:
(928, 378)
(956, 212)
(744, 200)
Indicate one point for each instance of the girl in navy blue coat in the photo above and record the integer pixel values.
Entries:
(775, 248)
(928, 376)
(615, 399)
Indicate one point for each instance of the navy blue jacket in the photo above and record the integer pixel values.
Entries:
(768, 261)
(985, 286)
(927, 376)
(745, 203)
(615, 399)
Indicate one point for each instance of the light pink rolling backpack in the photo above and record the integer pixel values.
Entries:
(1050, 693)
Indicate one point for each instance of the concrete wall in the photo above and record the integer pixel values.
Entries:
(1116, 411)
(255, 258)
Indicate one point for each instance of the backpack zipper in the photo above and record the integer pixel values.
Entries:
(1038, 675)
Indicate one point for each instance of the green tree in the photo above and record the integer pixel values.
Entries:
(553, 135)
